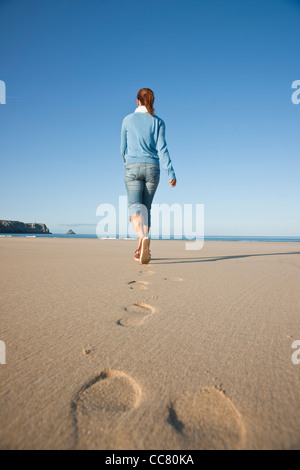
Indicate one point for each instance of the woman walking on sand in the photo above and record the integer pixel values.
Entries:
(143, 147)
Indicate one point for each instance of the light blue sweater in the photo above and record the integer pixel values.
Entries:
(143, 141)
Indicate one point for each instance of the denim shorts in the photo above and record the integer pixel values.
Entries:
(141, 180)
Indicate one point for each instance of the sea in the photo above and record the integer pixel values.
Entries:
(228, 238)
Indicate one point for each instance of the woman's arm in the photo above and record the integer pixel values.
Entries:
(163, 152)
(123, 141)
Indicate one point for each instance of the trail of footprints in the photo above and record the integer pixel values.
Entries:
(137, 313)
(100, 410)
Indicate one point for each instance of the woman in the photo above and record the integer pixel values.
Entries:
(143, 146)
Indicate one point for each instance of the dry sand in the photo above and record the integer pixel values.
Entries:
(190, 352)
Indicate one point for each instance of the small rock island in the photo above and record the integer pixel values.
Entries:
(70, 232)
(13, 226)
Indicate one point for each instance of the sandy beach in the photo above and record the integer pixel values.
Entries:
(192, 351)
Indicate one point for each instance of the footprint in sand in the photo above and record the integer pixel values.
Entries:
(138, 284)
(147, 272)
(207, 420)
(101, 408)
(176, 279)
(136, 314)
(88, 350)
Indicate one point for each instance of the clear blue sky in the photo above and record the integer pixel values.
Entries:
(221, 72)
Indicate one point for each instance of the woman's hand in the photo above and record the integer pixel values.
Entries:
(172, 183)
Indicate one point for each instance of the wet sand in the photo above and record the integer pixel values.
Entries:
(192, 351)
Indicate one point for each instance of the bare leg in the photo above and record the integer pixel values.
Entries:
(137, 223)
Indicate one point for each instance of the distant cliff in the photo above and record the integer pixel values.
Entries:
(12, 226)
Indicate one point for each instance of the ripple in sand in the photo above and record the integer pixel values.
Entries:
(136, 314)
(207, 420)
(100, 407)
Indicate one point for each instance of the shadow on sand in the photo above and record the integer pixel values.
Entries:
(206, 259)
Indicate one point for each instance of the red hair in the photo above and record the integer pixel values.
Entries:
(146, 97)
